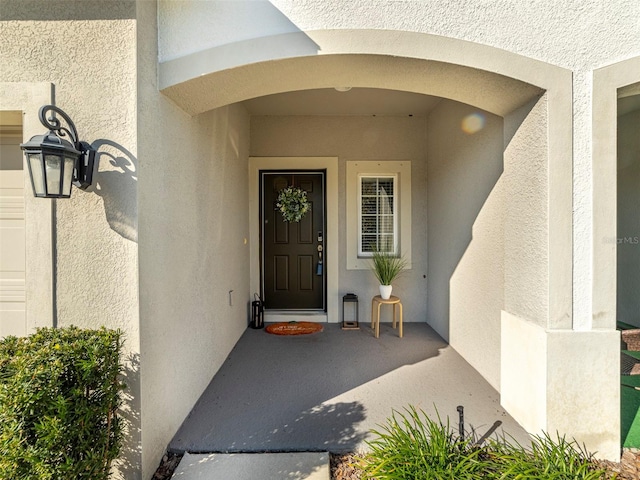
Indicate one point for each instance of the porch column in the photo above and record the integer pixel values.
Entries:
(563, 381)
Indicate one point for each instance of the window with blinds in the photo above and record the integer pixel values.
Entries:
(377, 214)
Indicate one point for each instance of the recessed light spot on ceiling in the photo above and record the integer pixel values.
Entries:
(342, 89)
(329, 101)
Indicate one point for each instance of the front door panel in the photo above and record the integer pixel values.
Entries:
(293, 270)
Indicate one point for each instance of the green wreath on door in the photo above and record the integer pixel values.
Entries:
(293, 204)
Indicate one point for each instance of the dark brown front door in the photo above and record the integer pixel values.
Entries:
(293, 270)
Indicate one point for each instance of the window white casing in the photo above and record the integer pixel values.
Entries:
(400, 173)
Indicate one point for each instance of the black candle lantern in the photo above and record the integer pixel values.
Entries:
(257, 312)
(56, 163)
(350, 312)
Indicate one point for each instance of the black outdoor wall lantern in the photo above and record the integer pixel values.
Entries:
(55, 163)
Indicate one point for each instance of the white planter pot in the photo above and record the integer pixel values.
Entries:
(385, 291)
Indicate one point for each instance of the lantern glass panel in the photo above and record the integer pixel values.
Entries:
(53, 167)
(37, 175)
(69, 163)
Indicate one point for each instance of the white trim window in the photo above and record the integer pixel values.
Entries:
(378, 210)
(377, 214)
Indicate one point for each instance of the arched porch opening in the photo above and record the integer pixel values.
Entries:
(616, 104)
(526, 206)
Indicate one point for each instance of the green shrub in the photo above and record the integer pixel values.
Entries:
(412, 446)
(59, 392)
(415, 447)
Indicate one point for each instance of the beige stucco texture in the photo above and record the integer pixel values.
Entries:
(87, 57)
(465, 222)
(545, 375)
(94, 250)
(194, 251)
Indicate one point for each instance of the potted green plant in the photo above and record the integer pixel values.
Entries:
(387, 267)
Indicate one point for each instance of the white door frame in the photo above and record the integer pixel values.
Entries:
(263, 173)
(330, 165)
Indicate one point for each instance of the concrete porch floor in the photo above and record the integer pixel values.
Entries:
(326, 391)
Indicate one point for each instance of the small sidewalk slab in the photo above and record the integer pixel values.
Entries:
(254, 466)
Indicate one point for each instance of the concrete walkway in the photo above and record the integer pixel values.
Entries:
(254, 466)
(325, 392)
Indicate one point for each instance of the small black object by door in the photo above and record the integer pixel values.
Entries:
(350, 320)
(257, 312)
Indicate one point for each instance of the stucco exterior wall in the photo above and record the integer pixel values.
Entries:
(537, 29)
(527, 215)
(360, 138)
(194, 269)
(101, 223)
(628, 238)
(89, 55)
(549, 383)
(465, 220)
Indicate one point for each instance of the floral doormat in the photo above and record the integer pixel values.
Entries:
(294, 328)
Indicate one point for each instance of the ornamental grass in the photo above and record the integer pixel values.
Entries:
(387, 267)
(412, 446)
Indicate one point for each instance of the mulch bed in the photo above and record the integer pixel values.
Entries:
(168, 465)
(343, 466)
(627, 469)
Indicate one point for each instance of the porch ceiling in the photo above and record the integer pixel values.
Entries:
(356, 101)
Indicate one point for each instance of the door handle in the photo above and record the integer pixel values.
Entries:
(319, 267)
